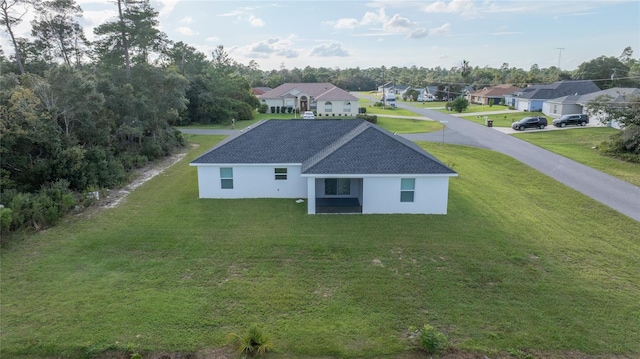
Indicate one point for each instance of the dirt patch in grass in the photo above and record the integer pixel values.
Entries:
(114, 197)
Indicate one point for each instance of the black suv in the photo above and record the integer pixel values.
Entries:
(530, 122)
(578, 120)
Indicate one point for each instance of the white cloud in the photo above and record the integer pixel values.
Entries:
(255, 22)
(167, 7)
(332, 49)
(273, 46)
(463, 7)
(346, 23)
(212, 39)
(398, 24)
(244, 14)
(187, 20)
(373, 18)
(186, 31)
(440, 30)
(419, 33)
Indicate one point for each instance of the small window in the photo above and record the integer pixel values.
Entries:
(347, 107)
(407, 189)
(337, 186)
(281, 173)
(327, 106)
(226, 178)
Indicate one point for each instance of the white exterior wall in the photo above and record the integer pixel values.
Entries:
(252, 181)
(382, 195)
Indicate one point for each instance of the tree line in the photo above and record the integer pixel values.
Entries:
(78, 115)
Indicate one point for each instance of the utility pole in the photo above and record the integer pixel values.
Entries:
(559, 55)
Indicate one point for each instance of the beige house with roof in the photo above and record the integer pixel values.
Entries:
(325, 99)
(491, 95)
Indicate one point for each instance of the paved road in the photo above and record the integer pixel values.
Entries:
(615, 193)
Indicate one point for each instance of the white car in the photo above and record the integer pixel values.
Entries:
(308, 115)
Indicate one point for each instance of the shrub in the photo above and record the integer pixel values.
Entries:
(459, 104)
(273, 109)
(263, 108)
(431, 340)
(362, 110)
(378, 104)
(251, 342)
(369, 118)
(283, 109)
(5, 219)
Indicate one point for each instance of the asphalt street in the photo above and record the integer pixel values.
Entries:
(611, 191)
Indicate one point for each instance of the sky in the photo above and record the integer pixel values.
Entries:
(373, 33)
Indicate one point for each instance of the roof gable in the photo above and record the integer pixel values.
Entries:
(323, 90)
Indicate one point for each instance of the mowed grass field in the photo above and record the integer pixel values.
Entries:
(520, 265)
(580, 144)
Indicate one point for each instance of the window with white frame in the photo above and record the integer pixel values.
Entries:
(347, 107)
(337, 186)
(328, 106)
(226, 177)
(407, 189)
(281, 173)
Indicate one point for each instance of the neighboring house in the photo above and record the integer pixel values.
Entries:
(338, 166)
(577, 103)
(260, 90)
(532, 97)
(492, 95)
(323, 98)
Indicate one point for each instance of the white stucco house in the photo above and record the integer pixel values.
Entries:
(347, 166)
(325, 99)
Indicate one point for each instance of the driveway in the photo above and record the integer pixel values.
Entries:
(611, 191)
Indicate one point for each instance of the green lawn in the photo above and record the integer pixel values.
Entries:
(506, 119)
(398, 125)
(388, 110)
(404, 125)
(478, 108)
(510, 269)
(431, 104)
(578, 144)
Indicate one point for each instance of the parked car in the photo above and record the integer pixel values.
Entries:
(576, 119)
(530, 122)
(308, 115)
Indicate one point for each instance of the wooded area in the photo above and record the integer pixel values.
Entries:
(77, 116)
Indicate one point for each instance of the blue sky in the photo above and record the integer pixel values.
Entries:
(396, 33)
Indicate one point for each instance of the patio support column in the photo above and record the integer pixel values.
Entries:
(311, 195)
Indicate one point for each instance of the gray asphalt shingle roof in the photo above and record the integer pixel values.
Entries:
(326, 147)
(557, 89)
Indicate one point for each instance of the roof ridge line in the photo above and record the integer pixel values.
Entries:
(405, 144)
(335, 145)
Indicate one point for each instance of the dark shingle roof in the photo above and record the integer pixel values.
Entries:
(327, 146)
(557, 89)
